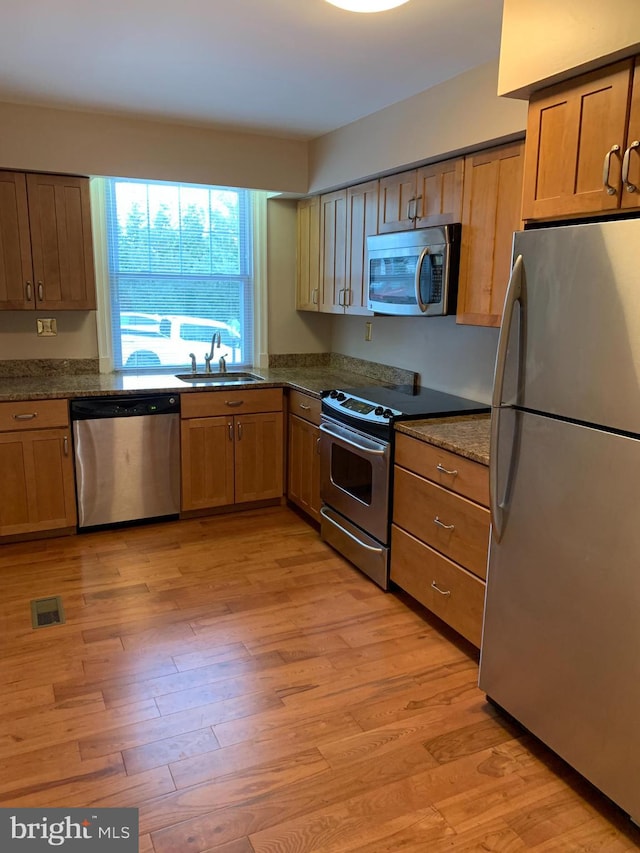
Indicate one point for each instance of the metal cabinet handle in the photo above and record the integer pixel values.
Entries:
(230, 428)
(415, 212)
(29, 291)
(314, 296)
(318, 446)
(239, 431)
(437, 521)
(40, 291)
(305, 408)
(233, 403)
(607, 168)
(65, 445)
(409, 208)
(631, 188)
(444, 470)
(27, 416)
(435, 586)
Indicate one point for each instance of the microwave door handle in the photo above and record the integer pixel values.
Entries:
(423, 254)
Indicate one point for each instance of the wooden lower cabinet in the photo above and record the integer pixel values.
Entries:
(38, 487)
(440, 532)
(229, 459)
(303, 480)
(448, 590)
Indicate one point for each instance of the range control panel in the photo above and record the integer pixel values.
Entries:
(357, 407)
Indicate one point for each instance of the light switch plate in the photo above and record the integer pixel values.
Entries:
(47, 328)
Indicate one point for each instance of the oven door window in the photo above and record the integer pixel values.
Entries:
(352, 473)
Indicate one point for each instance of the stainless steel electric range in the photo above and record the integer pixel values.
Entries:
(356, 464)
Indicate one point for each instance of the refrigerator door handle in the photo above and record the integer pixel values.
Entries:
(514, 294)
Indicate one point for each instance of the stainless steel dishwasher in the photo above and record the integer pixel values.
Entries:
(127, 455)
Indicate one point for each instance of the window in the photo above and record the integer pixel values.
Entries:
(180, 271)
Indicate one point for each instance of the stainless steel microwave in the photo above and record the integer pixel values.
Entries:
(414, 273)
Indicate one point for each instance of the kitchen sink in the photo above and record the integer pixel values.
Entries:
(219, 378)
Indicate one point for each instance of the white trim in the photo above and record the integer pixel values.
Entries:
(103, 314)
(260, 281)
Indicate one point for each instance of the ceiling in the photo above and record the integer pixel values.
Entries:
(295, 68)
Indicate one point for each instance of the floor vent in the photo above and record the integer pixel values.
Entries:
(47, 611)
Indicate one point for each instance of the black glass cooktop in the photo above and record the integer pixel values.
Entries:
(418, 402)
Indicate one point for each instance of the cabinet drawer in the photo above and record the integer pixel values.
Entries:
(454, 472)
(305, 406)
(204, 404)
(459, 597)
(34, 414)
(453, 525)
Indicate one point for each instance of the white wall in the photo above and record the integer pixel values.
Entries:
(457, 115)
(544, 41)
(76, 336)
(290, 331)
(448, 357)
(53, 140)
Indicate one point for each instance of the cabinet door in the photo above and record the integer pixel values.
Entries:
(490, 215)
(207, 464)
(16, 276)
(308, 259)
(570, 129)
(333, 251)
(362, 222)
(37, 482)
(631, 190)
(304, 466)
(396, 203)
(439, 193)
(258, 457)
(61, 243)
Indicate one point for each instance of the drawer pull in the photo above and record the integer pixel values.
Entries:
(437, 521)
(230, 428)
(26, 416)
(444, 470)
(233, 403)
(305, 408)
(435, 586)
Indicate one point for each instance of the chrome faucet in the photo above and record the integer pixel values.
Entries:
(222, 364)
(207, 358)
(194, 365)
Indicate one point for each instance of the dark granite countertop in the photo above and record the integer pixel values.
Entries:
(311, 380)
(467, 435)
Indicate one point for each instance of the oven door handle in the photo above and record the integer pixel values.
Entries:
(349, 534)
(369, 450)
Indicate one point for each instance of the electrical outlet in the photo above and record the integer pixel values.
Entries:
(368, 330)
(47, 328)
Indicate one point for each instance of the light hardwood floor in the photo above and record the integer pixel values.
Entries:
(251, 692)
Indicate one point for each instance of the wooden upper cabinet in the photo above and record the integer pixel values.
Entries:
(308, 258)
(439, 193)
(61, 242)
(362, 222)
(490, 215)
(46, 247)
(16, 273)
(333, 241)
(631, 186)
(431, 195)
(573, 129)
(396, 202)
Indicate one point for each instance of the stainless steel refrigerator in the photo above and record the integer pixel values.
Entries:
(561, 638)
